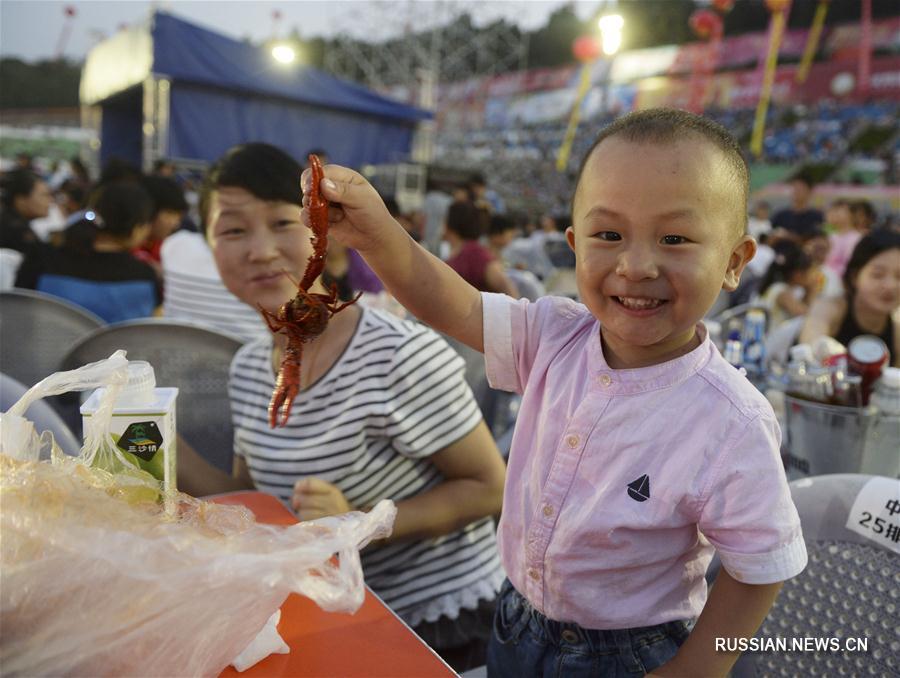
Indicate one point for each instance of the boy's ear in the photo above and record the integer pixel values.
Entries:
(570, 237)
(741, 255)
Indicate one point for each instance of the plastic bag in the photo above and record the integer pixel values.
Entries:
(95, 583)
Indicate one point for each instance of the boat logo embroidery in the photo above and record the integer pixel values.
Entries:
(639, 489)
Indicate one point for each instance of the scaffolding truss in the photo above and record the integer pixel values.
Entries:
(438, 43)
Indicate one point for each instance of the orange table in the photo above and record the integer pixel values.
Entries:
(372, 642)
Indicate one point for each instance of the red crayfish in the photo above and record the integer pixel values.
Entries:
(304, 317)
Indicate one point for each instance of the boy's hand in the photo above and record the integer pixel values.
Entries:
(357, 215)
(316, 498)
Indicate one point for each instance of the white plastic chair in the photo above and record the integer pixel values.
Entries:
(848, 589)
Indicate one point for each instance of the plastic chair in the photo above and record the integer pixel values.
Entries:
(40, 414)
(193, 358)
(36, 331)
(848, 589)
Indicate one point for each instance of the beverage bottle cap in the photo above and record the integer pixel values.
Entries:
(802, 353)
(139, 389)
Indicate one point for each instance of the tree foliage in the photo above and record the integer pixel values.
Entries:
(45, 84)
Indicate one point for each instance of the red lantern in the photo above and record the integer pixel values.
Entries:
(704, 22)
(723, 6)
(776, 6)
(586, 48)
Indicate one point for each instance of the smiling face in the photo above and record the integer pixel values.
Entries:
(657, 233)
(878, 283)
(256, 244)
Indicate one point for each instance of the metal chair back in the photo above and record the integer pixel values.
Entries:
(36, 332)
(848, 589)
(193, 358)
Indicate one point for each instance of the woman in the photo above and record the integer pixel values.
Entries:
(383, 412)
(94, 267)
(473, 261)
(872, 299)
(25, 197)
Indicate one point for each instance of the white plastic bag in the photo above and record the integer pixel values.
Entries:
(97, 581)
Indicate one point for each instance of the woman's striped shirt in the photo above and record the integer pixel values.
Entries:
(394, 397)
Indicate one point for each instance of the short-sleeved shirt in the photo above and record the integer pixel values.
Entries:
(113, 285)
(471, 263)
(394, 397)
(800, 222)
(195, 292)
(620, 482)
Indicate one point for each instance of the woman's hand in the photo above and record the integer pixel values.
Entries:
(316, 498)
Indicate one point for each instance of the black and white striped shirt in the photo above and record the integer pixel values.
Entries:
(394, 397)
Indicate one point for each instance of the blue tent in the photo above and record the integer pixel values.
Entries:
(181, 91)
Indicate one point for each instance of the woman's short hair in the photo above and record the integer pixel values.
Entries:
(262, 170)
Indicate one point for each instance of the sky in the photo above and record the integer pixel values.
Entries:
(37, 29)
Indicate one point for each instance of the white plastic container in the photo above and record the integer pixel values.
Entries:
(143, 422)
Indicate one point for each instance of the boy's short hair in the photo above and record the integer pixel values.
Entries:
(122, 206)
(262, 170)
(166, 194)
(668, 125)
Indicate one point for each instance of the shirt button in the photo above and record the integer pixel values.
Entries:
(534, 574)
(605, 379)
(548, 510)
(572, 441)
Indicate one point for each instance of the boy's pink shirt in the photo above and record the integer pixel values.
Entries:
(573, 540)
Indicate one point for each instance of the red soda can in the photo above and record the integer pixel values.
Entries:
(866, 356)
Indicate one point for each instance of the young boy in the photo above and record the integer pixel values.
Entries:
(637, 447)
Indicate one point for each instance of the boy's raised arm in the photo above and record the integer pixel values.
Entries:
(425, 285)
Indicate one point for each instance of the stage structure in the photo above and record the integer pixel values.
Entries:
(177, 90)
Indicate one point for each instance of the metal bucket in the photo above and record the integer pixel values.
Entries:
(821, 439)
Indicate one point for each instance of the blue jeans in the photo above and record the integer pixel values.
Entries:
(526, 644)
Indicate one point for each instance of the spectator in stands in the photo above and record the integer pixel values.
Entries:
(95, 268)
(435, 208)
(72, 197)
(484, 197)
(383, 412)
(119, 170)
(843, 235)
(823, 280)
(25, 197)
(169, 208)
(872, 296)
(465, 225)
(788, 288)
(501, 232)
(864, 216)
(799, 218)
(759, 225)
(164, 167)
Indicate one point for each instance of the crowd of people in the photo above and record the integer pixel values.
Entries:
(384, 411)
